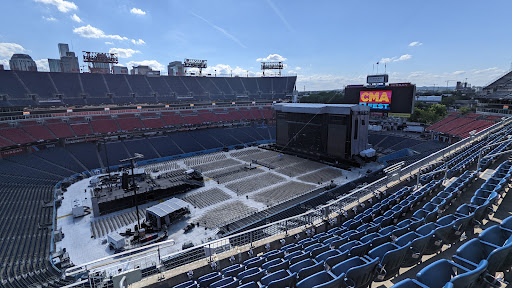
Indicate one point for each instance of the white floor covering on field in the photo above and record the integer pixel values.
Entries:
(82, 247)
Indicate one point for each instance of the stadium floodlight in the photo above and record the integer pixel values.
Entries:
(100, 62)
(272, 66)
(195, 63)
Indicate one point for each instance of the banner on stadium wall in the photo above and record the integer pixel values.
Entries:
(213, 104)
(69, 110)
(402, 115)
(505, 107)
(139, 107)
(26, 112)
(233, 103)
(13, 152)
(167, 106)
(106, 109)
(253, 102)
(376, 99)
(191, 104)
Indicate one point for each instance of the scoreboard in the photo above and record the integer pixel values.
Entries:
(395, 99)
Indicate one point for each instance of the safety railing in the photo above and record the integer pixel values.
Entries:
(161, 254)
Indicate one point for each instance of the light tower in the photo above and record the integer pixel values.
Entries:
(100, 62)
(195, 63)
(272, 66)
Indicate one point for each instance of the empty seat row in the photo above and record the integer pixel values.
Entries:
(475, 263)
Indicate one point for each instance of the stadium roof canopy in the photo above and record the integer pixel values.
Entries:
(343, 109)
(165, 208)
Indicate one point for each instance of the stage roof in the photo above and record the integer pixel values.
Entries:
(167, 207)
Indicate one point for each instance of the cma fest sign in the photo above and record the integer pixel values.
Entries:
(375, 99)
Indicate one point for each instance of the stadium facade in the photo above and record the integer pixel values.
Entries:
(365, 231)
(29, 89)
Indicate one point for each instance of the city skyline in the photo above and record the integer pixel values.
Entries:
(327, 45)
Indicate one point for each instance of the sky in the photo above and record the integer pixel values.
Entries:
(327, 44)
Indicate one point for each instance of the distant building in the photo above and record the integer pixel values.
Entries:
(67, 63)
(54, 65)
(429, 99)
(63, 49)
(120, 70)
(1, 67)
(22, 62)
(144, 70)
(175, 69)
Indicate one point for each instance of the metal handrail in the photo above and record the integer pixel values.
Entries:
(310, 217)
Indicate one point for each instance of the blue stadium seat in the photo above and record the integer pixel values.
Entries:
(188, 284)
(225, 283)
(288, 281)
(327, 254)
(416, 243)
(434, 244)
(320, 280)
(499, 238)
(273, 254)
(280, 266)
(474, 251)
(409, 283)
(391, 257)
(206, 280)
(319, 250)
(274, 276)
(442, 272)
(253, 262)
(252, 274)
(306, 268)
(271, 263)
(451, 228)
(356, 272)
(233, 270)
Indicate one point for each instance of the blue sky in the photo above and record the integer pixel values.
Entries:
(328, 44)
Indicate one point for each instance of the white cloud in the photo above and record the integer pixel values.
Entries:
(138, 42)
(155, 65)
(49, 19)
(75, 18)
(137, 11)
(272, 57)
(415, 44)
(395, 59)
(492, 69)
(123, 53)
(386, 60)
(62, 5)
(96, 33)
(280, 15)
(221, 30)
(403, 58)
(298, 68)
(7, 49)
(42, 65)
(459, 72)
(93, 32)
(5, 62)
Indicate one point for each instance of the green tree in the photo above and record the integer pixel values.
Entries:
(428, 114)
(439, 110)
(464, 110)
